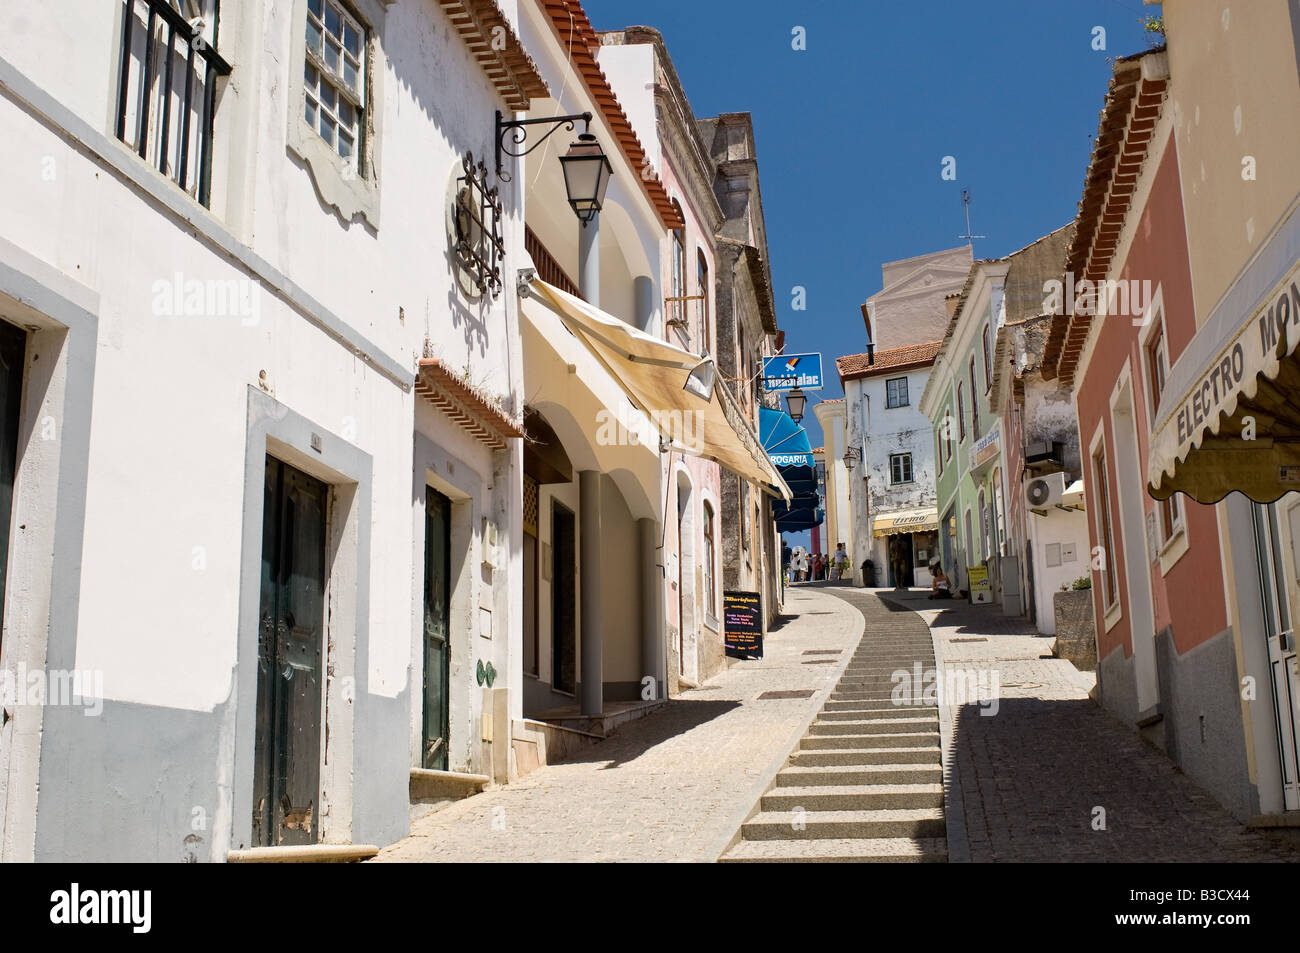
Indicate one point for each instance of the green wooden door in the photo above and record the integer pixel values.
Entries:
(437, 626)
(290, 669)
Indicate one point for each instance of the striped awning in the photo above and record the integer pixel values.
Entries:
(906, 521)
(1230, 419)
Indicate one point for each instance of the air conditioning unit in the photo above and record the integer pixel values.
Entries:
(1045, 490)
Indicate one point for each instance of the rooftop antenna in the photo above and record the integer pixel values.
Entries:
(965, 203)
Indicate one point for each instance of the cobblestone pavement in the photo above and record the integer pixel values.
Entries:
(673, 786)
(1032, 776)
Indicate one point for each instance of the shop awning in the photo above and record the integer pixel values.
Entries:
(1230, 417)
(786, 443)
(906, 521)
(654, 373)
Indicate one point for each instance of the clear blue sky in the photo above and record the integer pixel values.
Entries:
(851, 132)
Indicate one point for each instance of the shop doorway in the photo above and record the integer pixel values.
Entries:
(564, 600)
(901, 555)
(290, 656)
(1279, 631)
(437, 630)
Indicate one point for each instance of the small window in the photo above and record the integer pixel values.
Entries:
(710, 596)
(677, 288)
(900, 468)
(947, 432)
(1105, 536)
(896, 392)
(961, 413)
(705, 292)
(334, 79)
(988, 367)
(1157, 360)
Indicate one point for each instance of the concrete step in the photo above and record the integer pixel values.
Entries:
(799, 776)
(838, 850)
(866, 755)
(855, 797)
(870, 714)
(902, 739)
(781, 825)
(878, 725)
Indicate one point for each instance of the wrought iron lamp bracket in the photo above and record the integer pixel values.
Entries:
(516, 131)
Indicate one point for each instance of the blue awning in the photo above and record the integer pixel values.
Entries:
(784, 441)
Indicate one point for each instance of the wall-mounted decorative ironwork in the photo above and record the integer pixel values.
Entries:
(480, 246)
(516, 130)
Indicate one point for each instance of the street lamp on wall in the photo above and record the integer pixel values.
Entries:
(851, 457)
(586, 177)
(795, 401)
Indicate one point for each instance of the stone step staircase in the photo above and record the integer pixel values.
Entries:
(865, 783)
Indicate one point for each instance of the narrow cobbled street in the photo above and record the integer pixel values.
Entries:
(1026, 783)
(804, 755)
(673, 786)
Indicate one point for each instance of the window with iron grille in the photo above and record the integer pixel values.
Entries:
(896, 392)
(900, 468)
(166, 95)
(334, 79)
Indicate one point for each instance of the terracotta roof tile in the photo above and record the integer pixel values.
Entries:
(853, 366)
(577, 35)
(1133, 97)
(484, 29)
(465, 404)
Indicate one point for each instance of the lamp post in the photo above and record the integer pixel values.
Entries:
(795, 401)
(586, 177)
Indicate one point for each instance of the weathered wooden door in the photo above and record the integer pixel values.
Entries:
(290, 658)
(437, 628)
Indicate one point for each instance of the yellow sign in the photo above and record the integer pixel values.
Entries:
(980, 589)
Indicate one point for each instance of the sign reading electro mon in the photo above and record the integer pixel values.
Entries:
(788, 371)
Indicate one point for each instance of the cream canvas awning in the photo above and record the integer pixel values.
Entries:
(653, 373)
(1230, 417)
(906, 521)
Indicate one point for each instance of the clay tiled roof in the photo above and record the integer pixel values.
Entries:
(465, 404)
(511, 70)
(1133, 102)
(853, 366)
(577, 35)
